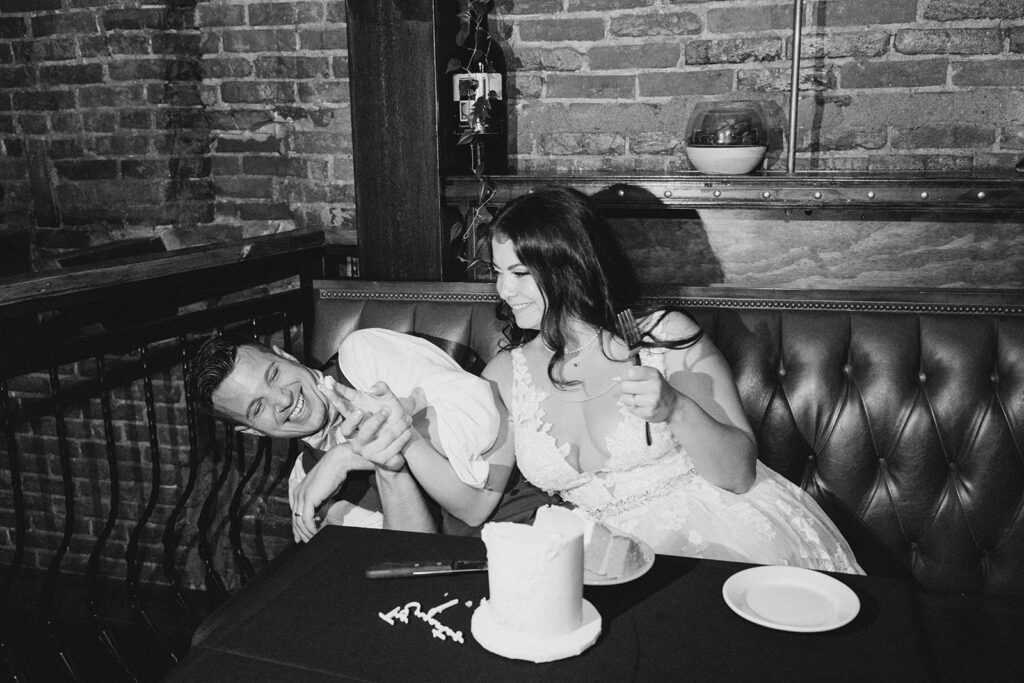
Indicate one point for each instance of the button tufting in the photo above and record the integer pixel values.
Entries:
(920, 376)
(952, 467)
(782, 372)
(913, 546)
(847, 369)
(994, 378)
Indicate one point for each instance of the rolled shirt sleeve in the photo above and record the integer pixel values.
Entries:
(466, 417)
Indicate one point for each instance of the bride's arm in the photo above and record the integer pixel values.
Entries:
(701, 405)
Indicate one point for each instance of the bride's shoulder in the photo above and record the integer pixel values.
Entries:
(669, 325)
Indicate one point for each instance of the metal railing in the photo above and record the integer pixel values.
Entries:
(127, 515)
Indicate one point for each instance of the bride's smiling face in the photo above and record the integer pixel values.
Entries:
(516, 285)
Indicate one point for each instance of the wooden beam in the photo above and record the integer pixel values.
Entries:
(393, 66)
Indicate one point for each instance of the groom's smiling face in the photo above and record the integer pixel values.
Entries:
(272, 394)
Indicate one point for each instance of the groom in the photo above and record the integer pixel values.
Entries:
(354, 456)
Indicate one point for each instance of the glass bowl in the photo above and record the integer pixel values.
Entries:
(726, 137)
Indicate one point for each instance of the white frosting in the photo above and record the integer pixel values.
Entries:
(438, 630)
(535, 574)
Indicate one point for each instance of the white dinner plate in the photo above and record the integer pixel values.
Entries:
(790, 598)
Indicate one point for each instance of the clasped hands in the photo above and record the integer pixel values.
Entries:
(376, 427)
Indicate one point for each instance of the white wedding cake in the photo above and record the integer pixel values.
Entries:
(536, 609)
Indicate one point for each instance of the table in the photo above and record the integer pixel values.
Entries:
(315, 617)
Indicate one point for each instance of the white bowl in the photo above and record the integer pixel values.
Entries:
(725, 159)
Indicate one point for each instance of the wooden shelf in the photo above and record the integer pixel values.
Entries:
(989, 194)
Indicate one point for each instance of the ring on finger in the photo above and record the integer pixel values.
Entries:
(298, 514)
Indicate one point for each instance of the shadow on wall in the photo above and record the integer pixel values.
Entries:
(666, 245)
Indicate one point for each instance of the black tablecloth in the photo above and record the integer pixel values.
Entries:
(316, 617)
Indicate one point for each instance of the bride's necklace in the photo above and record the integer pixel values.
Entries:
(580, 349)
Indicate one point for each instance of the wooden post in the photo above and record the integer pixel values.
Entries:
(393, 68)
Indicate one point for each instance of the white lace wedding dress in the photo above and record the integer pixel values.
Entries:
(654, 493)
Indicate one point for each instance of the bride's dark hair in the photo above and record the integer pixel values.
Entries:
(576, 260)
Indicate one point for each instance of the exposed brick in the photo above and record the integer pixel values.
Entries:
(292, 67)
(272, 166)
(646, 55)
(116, 44)
(841, 138)
(252, 93)
(750, 18)
(962, 41)
(230, 67)
(55, 49)
(33, 124)
(534, 7)
(135, 119)
(71, 74)
(138, 69)
(951, 135)
(144, 168)
(263, 40)
(555, 59)
(136, 19)
(954, 10)
(13, 6)
(1012, 137)
(656, 143)
(12, 27)
(1006, 73)
(336, 12)
(893, 74)
(284, 13)
(43, 101)
(859, 13)
(264, 211)
(111, 96)
(650, 25)
(119, 144)
(90, 169)
(320, 92)
(734, 51)
(590, 5)
(1016, 36)
(581, 143)
(68, 23)
(220, 14)
(252, 145)
(859, 44)
(323, 39)
(591, 86)
(176, 43)
(686, 82)
(15, 77)
(765, 80)
(576, 29)
(99, 122)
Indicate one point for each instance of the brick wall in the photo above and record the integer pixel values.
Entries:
(193, 120)
(885, 84)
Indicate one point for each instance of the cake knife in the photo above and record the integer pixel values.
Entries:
(394, 570)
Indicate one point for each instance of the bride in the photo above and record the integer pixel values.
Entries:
(660, 449)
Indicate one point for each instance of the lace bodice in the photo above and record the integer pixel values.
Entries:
(634, 470)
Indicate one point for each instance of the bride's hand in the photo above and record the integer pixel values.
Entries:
(647, 394)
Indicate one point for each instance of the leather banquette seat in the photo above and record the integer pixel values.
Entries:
(902, 413)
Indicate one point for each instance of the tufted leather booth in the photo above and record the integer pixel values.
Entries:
(902, 413)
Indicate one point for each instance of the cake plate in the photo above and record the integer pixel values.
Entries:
(514, 645)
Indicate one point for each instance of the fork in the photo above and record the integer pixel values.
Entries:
(630, 333)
